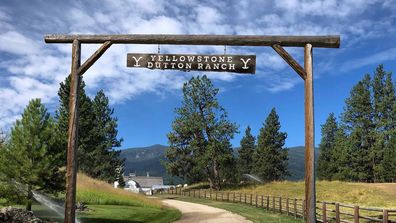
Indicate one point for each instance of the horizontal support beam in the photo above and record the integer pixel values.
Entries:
(230, 40)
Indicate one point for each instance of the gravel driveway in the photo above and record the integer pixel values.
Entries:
(202, 213)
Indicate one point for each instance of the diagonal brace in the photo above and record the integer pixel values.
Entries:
(290, 60)
(94, 57)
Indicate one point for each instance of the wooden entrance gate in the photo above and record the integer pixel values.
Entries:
(276, 42)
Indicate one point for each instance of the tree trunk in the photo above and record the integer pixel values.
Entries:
(216, 175)
(29, 198)
(210, 183)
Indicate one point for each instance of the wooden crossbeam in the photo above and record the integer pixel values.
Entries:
(290, 60)
(231, 40)
(94, 57)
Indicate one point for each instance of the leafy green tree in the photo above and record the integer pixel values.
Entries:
(246, 152)
(270, 158)
(106, 160)
(121, 181)
(32, 155)
(359, 123)
(199, 142)
(326, 168)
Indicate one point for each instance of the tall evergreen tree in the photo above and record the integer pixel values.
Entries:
(385, 124)
(326, 168)
(270, 158)
(86, 118)
(199, 142)
(342, 156)
(358, 119)
(105, 159)
(246, 152)
(32, 156)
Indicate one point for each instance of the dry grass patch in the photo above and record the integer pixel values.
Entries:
(363, 194)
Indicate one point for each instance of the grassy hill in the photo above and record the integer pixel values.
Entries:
(111, 205)
(148, 159)
(363, 194)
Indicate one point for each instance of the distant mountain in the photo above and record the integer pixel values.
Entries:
(296, 162)
(145, 159)
(149, 159)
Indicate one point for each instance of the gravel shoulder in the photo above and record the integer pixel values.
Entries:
(202, 213)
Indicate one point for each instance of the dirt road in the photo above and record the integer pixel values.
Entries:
(202, 213)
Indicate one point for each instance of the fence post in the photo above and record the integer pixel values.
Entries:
(245, 198)
(256, 200)
(233, 197)
(267, 202)
(194, 192)
(356, 214)
(337, 212)
(240, 198)
(324, 212)
(385, 216)
(280, 205)
(273, 203)
(204, 194)
(189, 193)
(287, 206)
(216, 195)
(251, 199)
(228, 197)
(199, 193)
(295, 207)
(262, 201)
(210, 194)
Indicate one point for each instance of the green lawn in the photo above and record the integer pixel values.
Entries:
(113, 214)
(127, 214)
(110, 205)
(254, 214)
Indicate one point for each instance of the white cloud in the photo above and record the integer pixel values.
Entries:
(16, 43)
(377, 58)
(34, 69)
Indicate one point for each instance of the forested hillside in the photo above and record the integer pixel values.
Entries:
(148, 159)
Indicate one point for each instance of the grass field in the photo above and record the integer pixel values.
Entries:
(254, 214)
(110, 205)
(362, 194)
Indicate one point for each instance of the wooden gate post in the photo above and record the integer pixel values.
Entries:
(72, 141)
(310, 199)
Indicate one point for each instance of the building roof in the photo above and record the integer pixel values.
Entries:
(145, 181)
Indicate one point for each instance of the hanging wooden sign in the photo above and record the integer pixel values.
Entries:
(188, 62)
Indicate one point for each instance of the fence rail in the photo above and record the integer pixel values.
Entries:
(325, 211)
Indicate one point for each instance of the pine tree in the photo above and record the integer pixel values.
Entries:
(270, 158)
(105, 159)
(326, 168)
(86, 118)
(385, 124)
(32, 155)
(359, 123)
(199, 142)
(246, 152)
(342, 156)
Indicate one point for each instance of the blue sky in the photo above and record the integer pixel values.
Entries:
(144, 100)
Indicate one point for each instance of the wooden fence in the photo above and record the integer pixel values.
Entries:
(325, 211)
